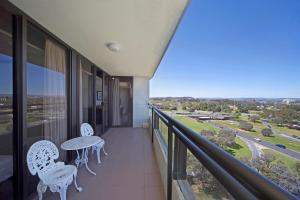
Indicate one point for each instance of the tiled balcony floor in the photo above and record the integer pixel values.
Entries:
(128, 172)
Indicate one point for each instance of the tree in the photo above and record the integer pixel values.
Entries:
(226, 138)
(269, 157)
(285, 178)
(297, 167)
(278, 120)
(210, 135)
(278, 172)
(236, 114)
(267, 132)
(245, 126)
(253, 118)
(259, 164)
(201, 179)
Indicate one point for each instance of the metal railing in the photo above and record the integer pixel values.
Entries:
(240, 181)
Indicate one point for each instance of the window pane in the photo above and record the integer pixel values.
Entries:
(99, 103)
(203, 184)
(6, 106)
(46, 92)
(86, 91)
(46, 89)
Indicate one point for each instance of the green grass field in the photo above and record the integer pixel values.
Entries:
(194, 124)
(290, 162)
(240, 150)
(295, 146)
(287, 130)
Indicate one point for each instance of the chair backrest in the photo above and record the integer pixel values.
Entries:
(41, 156)
(86, 130)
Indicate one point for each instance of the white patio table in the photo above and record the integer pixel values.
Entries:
(81, 143)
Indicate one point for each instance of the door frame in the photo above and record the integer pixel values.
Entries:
(130, 80)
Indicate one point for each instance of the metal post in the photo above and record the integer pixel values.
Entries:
(152, 123)
(180, 156)
(170, 158)
(156, 121)
(19, 104)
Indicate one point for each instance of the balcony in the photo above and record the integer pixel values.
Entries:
(129, 171)
(144, 164)
(141, 164)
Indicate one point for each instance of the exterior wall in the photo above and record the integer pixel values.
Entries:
(140, 101)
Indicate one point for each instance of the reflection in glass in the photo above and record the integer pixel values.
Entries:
(46, 89)
(99, 102)
(86, 91)
(6, 107)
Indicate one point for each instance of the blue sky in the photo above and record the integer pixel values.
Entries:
(36, 79)
(233, 48)
(6, 86)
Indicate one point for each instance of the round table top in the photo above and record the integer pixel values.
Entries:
(80, 142)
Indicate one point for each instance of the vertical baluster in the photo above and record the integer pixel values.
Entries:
(180, 157)
(170, 158)
(152, 123)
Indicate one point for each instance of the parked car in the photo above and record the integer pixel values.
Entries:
(281, 146)
(257, 139)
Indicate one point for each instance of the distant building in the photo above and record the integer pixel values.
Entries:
(261, 107)
(3, 99)
(215, 116)
(233, 107)
(288, 101)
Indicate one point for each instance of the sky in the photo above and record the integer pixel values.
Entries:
(233, 49)
(37, 77)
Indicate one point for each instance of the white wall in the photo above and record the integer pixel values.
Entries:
(140, 100)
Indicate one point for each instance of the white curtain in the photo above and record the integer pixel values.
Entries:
(116, 119)
(55, 102)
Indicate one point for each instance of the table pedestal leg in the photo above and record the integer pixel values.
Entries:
(84, 152)
(83, 159)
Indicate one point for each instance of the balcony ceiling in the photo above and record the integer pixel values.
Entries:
(142, 28)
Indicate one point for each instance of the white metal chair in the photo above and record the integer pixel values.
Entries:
(87, 130)
(57, 176)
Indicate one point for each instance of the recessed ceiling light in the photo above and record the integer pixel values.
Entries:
(112, 46)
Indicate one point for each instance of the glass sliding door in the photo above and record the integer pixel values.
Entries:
(120, 99)
(6, 106)
(46, 92)
(105, 102)
(86, 91)
(99, 102)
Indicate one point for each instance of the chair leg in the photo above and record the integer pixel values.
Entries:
(41, 188)
(63, 193)
(104, 151)
(79, 189)
(77, 161)
(98, 156)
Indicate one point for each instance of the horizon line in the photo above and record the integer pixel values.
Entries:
(225, 97)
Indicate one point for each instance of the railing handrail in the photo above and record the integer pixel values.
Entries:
(255, 183)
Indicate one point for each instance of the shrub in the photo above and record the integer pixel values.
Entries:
(267, 132)
(245, 126)
(253, 118)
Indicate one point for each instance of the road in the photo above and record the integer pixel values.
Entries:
(256, 152)
(280, 133)
(287, 152)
